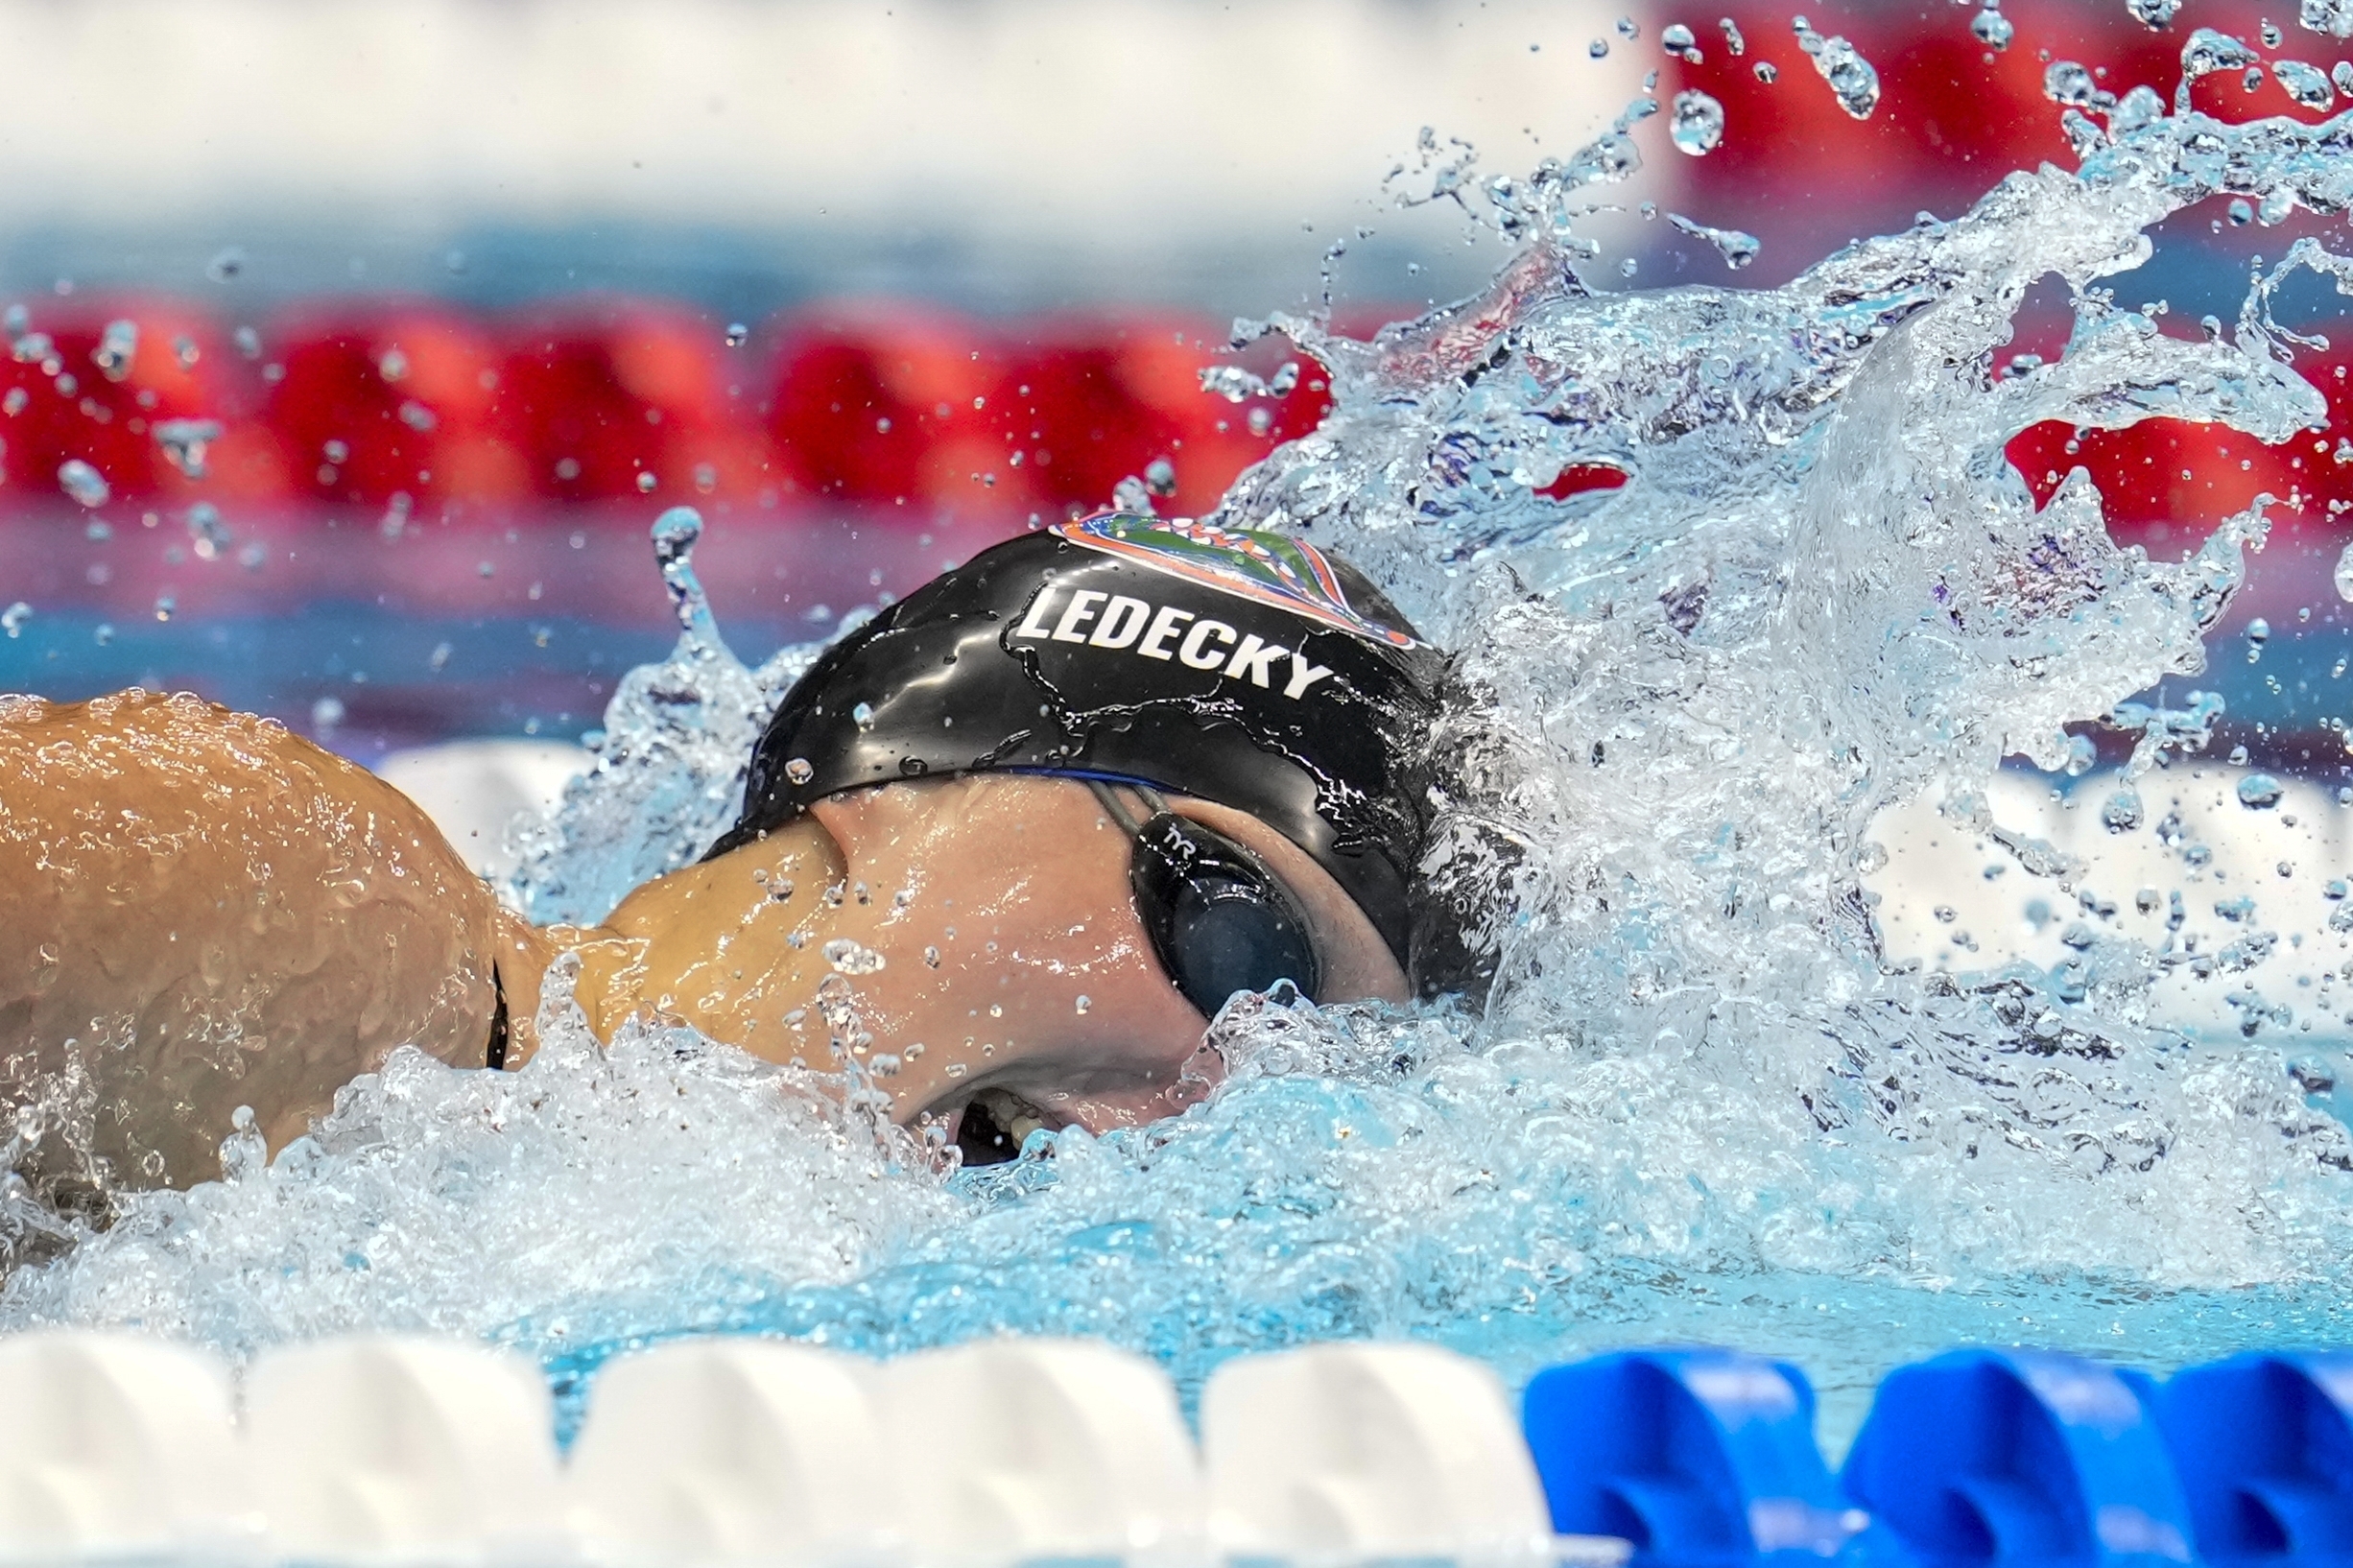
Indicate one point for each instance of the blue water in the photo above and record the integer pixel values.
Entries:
(1698, 1105)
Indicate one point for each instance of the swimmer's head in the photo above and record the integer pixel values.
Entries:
(1233, 666)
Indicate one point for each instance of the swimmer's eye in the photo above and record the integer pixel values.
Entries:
(1220, 921)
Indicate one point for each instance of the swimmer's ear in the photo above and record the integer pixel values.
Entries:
(882, 812)
(844, 819)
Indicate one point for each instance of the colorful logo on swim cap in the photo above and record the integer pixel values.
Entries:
(1247, 562)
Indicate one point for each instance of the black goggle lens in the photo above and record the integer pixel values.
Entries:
(1219, 920)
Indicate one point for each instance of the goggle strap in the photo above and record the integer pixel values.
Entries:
(1153, 802)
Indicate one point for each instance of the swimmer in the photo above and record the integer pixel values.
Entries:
(1026, 832)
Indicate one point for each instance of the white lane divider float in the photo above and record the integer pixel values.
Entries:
(1349, 1452)
(391, 1450)
(1087, 1456)
(115, 1446)
(733, 1451)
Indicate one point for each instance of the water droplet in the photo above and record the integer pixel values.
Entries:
(392, 364)
(1697, 124)
(2122, 815)
(334, 451)
(2082, 756)
(326, 713)
(1086, 1002)
(2241, 215)
(2341, 74)
(225, 264)
(1160, 477)
(1599, 49)
(863, 716)
(2260, 792)
(707, 478)
(799, 772)
(738, 334)
(83, 482)
(205, 528)
(1853, 80)
(13, 618)
(2064, 82)
(417, 416)
(852, 958)
(1768, 72)
(186, 441)
(931, 957)
(247, 341)
(14, 402)
(165, 607)
(1732, 39)
(1993, 29)
(646, 483)
(99, 531)
(2345, 573)
(2258, 630)
(118, 344)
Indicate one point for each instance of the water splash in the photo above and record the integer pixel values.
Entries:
(1737, 248)
(2334, 17)
(1700, 1105)
(2206, 53)
(668, 775)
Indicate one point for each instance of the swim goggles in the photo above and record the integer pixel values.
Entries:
(1220, 921)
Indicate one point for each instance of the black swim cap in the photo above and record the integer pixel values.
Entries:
(1238, 666)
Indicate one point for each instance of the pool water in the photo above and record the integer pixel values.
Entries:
(1699, 1106)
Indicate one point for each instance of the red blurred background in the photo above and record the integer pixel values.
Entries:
(467, 488)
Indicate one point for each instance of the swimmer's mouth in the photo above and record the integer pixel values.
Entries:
(992, 1124)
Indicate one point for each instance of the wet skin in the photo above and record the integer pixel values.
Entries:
(199, 909)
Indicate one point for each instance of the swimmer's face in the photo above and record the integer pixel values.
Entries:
(983, 934)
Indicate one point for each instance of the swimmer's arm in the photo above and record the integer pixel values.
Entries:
(199, 909)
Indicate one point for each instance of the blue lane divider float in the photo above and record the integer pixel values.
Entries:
(2017, 1457)
(1701, 1458)
(2264, 1446)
